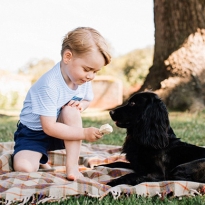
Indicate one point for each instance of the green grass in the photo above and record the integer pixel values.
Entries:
(7, 127)
(131, 200)
(188, 127)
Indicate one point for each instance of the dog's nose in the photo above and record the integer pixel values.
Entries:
(112, 112)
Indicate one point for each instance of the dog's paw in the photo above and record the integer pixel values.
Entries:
(106, 129)
(129, 179)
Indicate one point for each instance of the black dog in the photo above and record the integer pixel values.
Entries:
(151, 147)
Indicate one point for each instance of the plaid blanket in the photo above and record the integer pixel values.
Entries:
(52, 185)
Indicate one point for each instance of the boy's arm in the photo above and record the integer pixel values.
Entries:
(65, 132)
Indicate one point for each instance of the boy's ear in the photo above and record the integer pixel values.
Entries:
(67, 55)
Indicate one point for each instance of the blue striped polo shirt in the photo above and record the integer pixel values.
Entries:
(48, 95)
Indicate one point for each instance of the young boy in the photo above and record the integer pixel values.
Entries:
(51, 114)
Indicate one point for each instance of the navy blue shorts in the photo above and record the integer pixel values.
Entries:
(38, 141)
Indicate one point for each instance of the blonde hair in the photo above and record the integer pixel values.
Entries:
(82, 40)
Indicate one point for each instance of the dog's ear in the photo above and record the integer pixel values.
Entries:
(154, 125)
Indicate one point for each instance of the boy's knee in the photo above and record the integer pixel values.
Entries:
(26, 161)
(70, 114)
(25, 166)
(70, 110)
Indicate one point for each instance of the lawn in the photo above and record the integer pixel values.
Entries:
(188, 127)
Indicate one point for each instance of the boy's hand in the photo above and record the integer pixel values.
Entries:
(92, 134)
(77, 104)
(80, 105)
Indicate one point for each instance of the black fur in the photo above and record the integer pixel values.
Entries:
(151, 147)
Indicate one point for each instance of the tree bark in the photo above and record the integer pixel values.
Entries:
(178, 70)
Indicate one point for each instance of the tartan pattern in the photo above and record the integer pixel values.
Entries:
(47, 186)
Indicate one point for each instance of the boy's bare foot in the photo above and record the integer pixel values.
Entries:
(73, 174)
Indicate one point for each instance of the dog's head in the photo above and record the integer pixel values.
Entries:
(146, 118)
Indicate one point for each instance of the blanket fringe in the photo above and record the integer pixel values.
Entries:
(115, 191)
(194, 192)
(20, 202)
(25, 200)
(49, 198)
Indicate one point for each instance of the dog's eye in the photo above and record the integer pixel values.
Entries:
(131, 104)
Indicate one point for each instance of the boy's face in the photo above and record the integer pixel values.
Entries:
(82, 69)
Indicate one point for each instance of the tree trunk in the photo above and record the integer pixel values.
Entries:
(178, 70)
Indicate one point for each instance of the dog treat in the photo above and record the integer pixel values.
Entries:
(106, 129)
